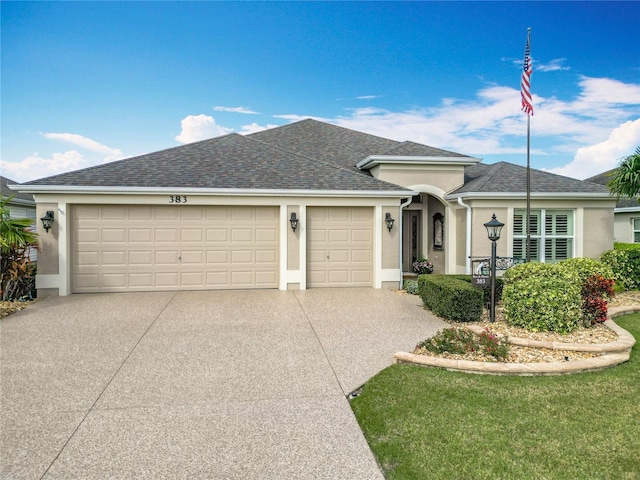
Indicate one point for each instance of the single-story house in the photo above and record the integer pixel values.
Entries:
(626, 213)
(20, 205)
(300, 206)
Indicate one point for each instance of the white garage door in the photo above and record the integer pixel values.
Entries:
(340, 247)
(140, 248)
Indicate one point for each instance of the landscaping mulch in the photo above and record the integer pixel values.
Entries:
(594, 335)
(7, 308)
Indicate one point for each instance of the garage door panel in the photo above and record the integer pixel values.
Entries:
(241, 235)
(143, 235)
(217, 235)
(141, 280)
(141, 258)
(114, 213)
(341, 235)
(114, 258)
(340, 246)
(144, 247)
(358, 235)
(168, 235)
(361, 256)
(195, 235)
(217, 257)
(266, 256)
(113, 235)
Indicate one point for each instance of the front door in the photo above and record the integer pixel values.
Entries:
(411, 238)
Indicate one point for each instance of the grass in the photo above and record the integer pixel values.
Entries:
(426, 423)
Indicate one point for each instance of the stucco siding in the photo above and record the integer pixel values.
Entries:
(598, 226)
(443, 177)
(623, 226)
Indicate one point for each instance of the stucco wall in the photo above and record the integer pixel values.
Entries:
(390, 240)
(598, 228)
(446, 178)
(48, 255)
(623, 229)
(293, 241)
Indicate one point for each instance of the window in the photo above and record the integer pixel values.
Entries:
(551, 235)
(635, 222)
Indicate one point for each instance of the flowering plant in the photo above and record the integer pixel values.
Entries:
(423, 266)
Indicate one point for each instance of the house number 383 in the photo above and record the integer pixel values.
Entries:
(177, 199)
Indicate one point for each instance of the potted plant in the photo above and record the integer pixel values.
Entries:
(422, 266)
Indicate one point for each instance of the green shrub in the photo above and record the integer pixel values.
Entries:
(626, 246)
(461, 341)
(450, 297)
(528, 270)
(543, 304)
(411, 286)
(581, 269)
(625, 265)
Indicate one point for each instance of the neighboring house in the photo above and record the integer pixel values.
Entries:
(626, 213)
(217, 214)
(22, 205)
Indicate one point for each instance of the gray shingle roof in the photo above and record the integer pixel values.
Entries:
(503, 177)
(231, 161)
(603, 179)
(419, 150)
(6, 192)
(327, 142)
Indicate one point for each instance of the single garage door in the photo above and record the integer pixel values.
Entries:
(141, 248)
(340, 250)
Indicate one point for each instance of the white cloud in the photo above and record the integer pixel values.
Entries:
(603, 156)
(86, 143)
(200, 127)
(552, 66)
(367, 97)
(245, 110)
(34, 166)
(254, 127)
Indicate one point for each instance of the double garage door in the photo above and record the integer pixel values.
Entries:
(142, 247)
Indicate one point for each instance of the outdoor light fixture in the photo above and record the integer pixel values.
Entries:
(389, 221)
(294, 221)
(47, 220)
(493, 227)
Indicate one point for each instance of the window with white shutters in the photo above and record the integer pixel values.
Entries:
(551, 234)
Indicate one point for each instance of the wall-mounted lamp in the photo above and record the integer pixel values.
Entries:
(389, 221)
(294, 221)
(47, 220)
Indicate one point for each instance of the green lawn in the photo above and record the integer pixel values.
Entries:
(426, 423)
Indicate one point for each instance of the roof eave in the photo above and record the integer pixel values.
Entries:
(373, 160)
(536, 195)
(627, 209)
(234, 192)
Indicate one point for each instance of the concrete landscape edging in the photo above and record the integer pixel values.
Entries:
(611, 354)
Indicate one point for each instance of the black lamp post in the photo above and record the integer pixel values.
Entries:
(493, 227)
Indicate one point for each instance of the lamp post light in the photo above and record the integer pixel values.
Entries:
(493, 227)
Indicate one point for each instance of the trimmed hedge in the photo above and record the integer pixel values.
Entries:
(625, 264)
(450, 297)
(542, 304)
(554, 297)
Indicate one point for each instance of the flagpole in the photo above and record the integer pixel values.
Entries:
(527, 105)
(528, 188)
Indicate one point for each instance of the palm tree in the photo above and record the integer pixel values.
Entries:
(625, 180)
(15, 241)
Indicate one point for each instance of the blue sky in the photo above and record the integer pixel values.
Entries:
(88, 82)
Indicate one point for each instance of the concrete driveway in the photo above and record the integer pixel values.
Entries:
(197, 385)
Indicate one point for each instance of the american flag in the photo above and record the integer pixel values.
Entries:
(525, 83)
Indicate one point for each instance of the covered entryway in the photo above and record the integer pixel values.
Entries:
(340, 252)
(173, 247)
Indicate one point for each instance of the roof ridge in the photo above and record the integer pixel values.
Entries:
(493, 169)
(322, 162)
